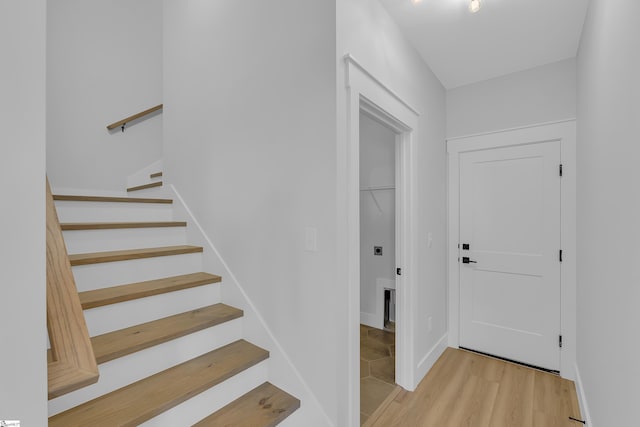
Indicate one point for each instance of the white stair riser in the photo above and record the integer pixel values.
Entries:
(79, 241)
(134, 367)
(142, 180)
(160, 192)
(110, 318)
(209, 401)
(112, 211)
(95, 276)
(143, 176)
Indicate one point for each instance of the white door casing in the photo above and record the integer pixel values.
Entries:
(563, 133)
(510, 217)
(365, 93)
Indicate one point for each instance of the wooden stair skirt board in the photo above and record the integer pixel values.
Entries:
(118, 225)
(121, 293)
(72, 198)
(119, 343)
(155, 175)
(149, 397)
(124, 255)
(145, 186)
(264, 406)
(71, 363)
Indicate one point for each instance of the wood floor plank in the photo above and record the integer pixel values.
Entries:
(468, 389)
(541, 419)
(488, 368)
(147, 398)
(444, 369)
(571, 395)
(373, 392)
(264, 406)
(412, 408)
(123, 255)
(131, 291)
(119, 343)
(442, 403)
(514, 403)
(548, 397)
(145, 186)
(376, 414)
(474, 405)
(117, 225)
(109, 199)
(554, 397)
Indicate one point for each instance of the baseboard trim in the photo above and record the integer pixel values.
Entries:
(429, 359)
(582, 398)
(369, 319)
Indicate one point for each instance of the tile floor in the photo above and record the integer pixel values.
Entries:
(377, 368)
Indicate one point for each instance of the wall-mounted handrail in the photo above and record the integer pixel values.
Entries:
(122, 123)
(71, 361)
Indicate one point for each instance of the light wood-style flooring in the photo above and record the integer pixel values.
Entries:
(467, 389)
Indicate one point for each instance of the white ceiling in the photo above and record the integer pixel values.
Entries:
(503, 37)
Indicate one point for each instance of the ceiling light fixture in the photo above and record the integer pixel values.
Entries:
(474, 6)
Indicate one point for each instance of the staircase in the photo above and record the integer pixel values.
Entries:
(170, 352)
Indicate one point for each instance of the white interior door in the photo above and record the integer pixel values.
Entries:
(510, 218)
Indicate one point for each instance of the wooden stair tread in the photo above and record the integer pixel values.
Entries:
(128, 254)
(72, 198)
(131, 291)
(147, 398)
(145, 186)
(115, 225)
(264, 406)
(155, 175)
(119, 343)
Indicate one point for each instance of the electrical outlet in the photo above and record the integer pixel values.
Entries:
(377, 250)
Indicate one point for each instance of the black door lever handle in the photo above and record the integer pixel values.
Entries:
(466, 260)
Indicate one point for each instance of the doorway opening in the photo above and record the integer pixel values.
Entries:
(377, 223)
(369, 96)
(377, 263)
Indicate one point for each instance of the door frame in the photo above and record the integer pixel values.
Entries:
(373, 113)
(564, 132)
(365, 93)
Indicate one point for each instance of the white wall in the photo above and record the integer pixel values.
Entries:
(608, 211)
(539, 95)
(104, 63)
(377, 221)
(249, 142)
(367, 32)
(23, 369)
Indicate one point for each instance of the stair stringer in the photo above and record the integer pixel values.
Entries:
(282, 371)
